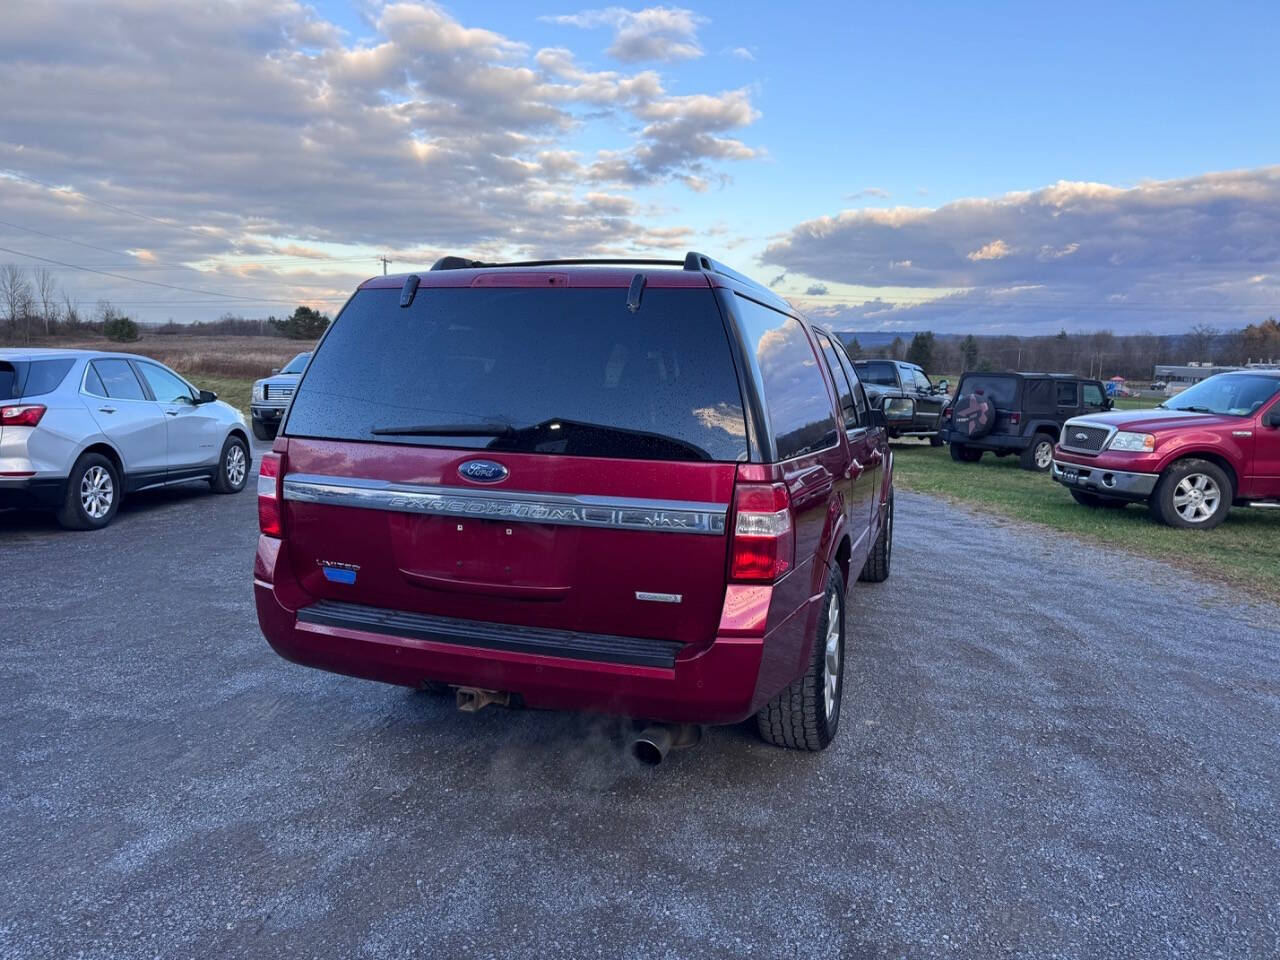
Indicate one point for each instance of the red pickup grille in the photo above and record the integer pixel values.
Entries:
(1083, 439)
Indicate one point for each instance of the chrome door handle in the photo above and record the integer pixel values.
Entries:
(106, 409)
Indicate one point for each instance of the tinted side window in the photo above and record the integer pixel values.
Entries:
(1092, 394)
(1039, 396)
(166, 387)
(118, 381)
(881, 373)
(43, 376)
(859, 395)
(922, 382)
(794, 391)
(843, 386)
(1067, 395)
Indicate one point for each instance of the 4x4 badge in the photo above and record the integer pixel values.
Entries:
(483, 471)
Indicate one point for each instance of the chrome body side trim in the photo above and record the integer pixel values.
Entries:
(621, 513)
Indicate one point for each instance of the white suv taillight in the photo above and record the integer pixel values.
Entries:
(764, 539)
(270, 499)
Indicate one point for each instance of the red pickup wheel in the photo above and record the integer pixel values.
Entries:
(1192, 495)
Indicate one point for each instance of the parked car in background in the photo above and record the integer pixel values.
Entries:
(79, 429)
(1213, 445)
(272, 394)
(635, 489)
(895, 378)
(1159, 385)
(1017, 413)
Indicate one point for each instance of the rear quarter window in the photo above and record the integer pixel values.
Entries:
(8, 381)
(45, 376)
(571, 371)
(795, 393)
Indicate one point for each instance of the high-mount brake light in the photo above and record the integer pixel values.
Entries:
(270, 500)
(764, 541)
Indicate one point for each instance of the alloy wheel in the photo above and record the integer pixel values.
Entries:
(1197, 497)
(235, 465)
(96, 492)
(1044, 455)
(831, 660)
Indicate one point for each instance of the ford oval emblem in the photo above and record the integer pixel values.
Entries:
(483, 471)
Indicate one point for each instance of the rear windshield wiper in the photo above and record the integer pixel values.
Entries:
(446, 430)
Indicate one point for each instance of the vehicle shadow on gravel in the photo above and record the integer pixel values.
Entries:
(137, 504)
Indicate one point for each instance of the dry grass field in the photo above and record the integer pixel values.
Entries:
(245, 358)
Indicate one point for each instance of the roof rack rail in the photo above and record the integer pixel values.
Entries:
(692, 261)
(462, 263)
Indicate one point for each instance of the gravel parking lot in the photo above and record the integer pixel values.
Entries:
(1047, 752)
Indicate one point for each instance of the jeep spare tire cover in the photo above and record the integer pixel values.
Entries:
(973, 416)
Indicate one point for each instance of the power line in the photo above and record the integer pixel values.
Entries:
(112, 206)
(120, 276)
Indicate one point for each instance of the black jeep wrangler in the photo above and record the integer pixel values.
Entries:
(1020, 413)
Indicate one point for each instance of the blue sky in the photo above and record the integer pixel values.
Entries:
(868, 151)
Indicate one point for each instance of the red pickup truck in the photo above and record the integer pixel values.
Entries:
(1213, 445)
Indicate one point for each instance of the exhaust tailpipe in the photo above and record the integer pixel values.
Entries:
(471, 699)
(653, 743)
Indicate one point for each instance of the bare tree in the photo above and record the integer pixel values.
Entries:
(15, 292)
(46, 288)
(71, 312)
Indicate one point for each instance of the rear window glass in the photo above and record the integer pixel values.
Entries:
(8, 381)
(1000, 390)
(880, 374)
(561, 371)
(44, 376)
(795, 392)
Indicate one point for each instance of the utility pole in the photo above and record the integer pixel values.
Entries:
(385, 260)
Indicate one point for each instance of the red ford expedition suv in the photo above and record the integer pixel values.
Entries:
(1215, 444)
(632, 487)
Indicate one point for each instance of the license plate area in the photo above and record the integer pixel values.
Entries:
(1071, 476)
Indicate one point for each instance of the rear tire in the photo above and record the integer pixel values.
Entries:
(962, 454)
(876, 569)
(935, 440)
(93, 494)
(806, 715)
(1039, 455)
(233, 467)
(1192, 495)
(262, 431)
(1086, 499)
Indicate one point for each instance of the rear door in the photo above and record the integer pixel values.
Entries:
(192, 431)
(131, 420)
(539, 456)
(865, 455)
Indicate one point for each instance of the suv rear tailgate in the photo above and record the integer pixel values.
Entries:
(569, 543)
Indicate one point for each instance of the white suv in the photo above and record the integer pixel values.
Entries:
(79, 429)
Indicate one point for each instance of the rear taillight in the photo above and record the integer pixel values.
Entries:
(946, 413)
(26, 415)
(764, 540)
(1015, 419)
(270, 503)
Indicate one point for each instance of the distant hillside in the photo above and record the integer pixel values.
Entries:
(875, 339)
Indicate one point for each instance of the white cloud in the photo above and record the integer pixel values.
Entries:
(989, 251)
(263, 120)
(741, 53)
(654, 33)
(1163, 251)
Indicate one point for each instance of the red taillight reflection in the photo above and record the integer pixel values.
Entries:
(763, 547)
(24, 415)
(270, 507)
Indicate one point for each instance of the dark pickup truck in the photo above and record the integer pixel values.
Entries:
(892, 379)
